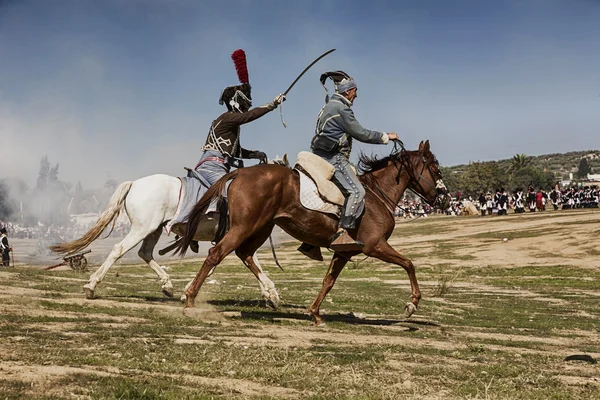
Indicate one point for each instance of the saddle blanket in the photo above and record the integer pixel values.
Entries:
(191, 192)
(310, 198)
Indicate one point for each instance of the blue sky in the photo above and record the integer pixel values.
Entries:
(128, 88)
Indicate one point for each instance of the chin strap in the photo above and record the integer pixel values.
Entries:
(235, 104)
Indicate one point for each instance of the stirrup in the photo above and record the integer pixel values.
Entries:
(342, 242)
(310, 251)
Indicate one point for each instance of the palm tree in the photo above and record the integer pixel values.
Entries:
(519, 161)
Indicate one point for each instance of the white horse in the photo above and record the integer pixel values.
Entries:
(151, 202)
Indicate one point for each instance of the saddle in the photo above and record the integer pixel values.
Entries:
(317, 191)
(215, 225)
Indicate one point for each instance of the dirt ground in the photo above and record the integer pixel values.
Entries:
(505, 300)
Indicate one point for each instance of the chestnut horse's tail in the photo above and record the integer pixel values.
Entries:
(195, 216)
(109, 215)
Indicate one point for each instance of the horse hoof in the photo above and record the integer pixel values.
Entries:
(318, 319)
(168, 291)
(409, 309)
(272, 305)
(89, 292)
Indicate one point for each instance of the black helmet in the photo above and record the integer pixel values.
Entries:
(237, 98)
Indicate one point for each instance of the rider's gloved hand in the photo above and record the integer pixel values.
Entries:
(276, 101)
(262, 156)
(280, 98)
(393, 136)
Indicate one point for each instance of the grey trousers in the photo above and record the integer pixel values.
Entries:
(212, 170)
(345, 178)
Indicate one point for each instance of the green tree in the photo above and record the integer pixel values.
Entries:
(483, 176)
(53, 174)
(7, 207)
(452, 179)
(531, 175)
(584, 168)
(518, 162)
(42, 180)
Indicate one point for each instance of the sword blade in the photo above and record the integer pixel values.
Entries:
(306, 69)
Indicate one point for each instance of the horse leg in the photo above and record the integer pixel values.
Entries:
(247, 253)
(335, 267)
(130, 241)
(384, 252)
(267, 287)
(183, 297)
(145, 254)
(230, 242)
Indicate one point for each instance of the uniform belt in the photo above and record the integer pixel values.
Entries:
(218, 159)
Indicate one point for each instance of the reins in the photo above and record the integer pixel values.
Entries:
(398, 155)
(386, 197)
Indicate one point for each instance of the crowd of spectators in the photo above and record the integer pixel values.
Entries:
(410, 209)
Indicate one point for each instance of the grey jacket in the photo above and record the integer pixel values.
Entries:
(337, 126)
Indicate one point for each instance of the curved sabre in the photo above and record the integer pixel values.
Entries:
(306, 69)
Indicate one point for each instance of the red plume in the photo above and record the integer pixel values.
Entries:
(239, 60)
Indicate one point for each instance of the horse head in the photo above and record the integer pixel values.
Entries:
(281, 161)
(426, 177)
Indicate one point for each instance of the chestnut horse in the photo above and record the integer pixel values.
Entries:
(266, 195)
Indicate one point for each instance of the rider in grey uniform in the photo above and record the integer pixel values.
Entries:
(336, 128)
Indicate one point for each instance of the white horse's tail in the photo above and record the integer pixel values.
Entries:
(109, 215)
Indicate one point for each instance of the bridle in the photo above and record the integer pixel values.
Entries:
(416, 185)
(401, 160)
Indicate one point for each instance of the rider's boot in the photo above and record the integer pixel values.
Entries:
(310, 251)
(194, 246)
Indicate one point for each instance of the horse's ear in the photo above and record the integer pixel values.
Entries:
(286, 162)
(426, 148)
(421, 146)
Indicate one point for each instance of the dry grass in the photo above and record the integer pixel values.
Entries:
(496, 321)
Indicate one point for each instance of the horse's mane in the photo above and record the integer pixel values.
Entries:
(372, 163)
(369, 164)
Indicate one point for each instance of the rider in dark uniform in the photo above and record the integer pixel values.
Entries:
(222, 149)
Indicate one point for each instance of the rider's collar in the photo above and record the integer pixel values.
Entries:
(339, 97)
